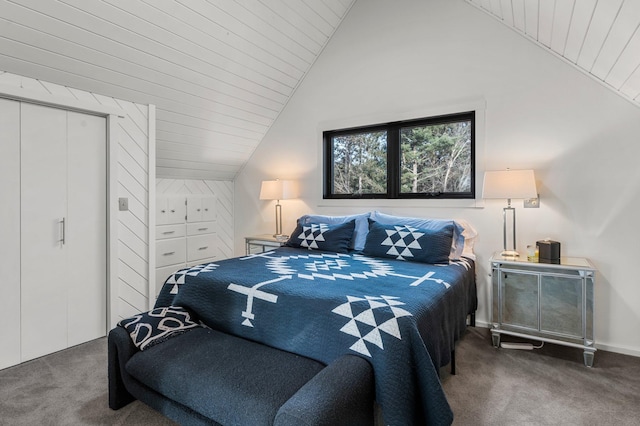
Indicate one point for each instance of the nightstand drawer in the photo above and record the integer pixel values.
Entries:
(169, 252)
(170, 231)
(200, 228)
(201, 247)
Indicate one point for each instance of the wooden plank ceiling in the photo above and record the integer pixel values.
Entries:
(599, 37)
(218, 71)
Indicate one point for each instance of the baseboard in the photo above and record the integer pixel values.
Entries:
(618, 349)
(600, 346)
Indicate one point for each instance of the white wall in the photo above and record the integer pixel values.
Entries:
(395, 60)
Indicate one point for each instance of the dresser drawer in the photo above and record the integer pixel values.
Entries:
(170, 252)
(200, 228)
(170, 231)
(201, 247)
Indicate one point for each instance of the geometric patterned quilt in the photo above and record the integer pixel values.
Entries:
(403, 317)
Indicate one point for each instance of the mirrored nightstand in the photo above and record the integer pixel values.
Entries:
(262, 243)
(545, 302)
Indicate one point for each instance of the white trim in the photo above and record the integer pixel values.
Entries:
(618, 349)
(111, 115)
(151, 203)
(477, 104)
(33, 96)
(112, 222)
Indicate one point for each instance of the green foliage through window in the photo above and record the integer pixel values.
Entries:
(360, 163)
(430, 157)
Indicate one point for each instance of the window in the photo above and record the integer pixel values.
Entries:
(424, 158)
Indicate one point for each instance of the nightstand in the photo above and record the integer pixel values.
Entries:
(261, 243)
(546, 302)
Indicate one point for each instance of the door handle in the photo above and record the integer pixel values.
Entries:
(63, 231)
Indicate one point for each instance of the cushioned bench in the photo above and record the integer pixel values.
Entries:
(207, 377)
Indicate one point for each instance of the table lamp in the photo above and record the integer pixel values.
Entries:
(509, 184)
(278, 190)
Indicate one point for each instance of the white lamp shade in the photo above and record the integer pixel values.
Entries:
(278, 190)
(509, 184)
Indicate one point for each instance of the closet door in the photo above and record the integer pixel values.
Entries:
(63, 227)
(10, 233)
(86, 231)
(43, 258)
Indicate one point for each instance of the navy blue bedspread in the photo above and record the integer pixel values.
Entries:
(404, 317)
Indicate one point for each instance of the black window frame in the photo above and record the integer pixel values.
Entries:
(393, 158)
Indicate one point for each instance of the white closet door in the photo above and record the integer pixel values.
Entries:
(63, 227)
(43, 258)
(86, 227)
(9, 233)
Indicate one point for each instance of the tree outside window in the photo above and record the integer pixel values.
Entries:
(436, 158)
(430, 157)
(360, 163)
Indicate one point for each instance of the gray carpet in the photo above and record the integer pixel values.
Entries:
(549, 386)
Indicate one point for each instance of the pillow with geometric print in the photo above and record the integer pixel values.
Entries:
(150, 328)
(322, 236)
(404, 242)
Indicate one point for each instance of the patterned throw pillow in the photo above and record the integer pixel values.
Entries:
(404, 242)
(150, 328)
(359, 232)
(321, 236)
(459, 240)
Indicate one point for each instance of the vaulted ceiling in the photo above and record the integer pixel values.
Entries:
(599, 37)
(220, 71)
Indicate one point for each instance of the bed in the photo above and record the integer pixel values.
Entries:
(339, 288)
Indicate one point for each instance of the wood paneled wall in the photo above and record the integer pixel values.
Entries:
(219, 71)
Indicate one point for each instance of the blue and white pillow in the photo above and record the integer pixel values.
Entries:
(359, 233)
(150, 328)
(405, 242)
(322, 236)
(458, 242)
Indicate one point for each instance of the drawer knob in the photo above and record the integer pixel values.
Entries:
(169, 253)
(168, 232)
(202, 229)
(203, 248)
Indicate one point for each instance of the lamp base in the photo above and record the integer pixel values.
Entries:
(509, 253)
